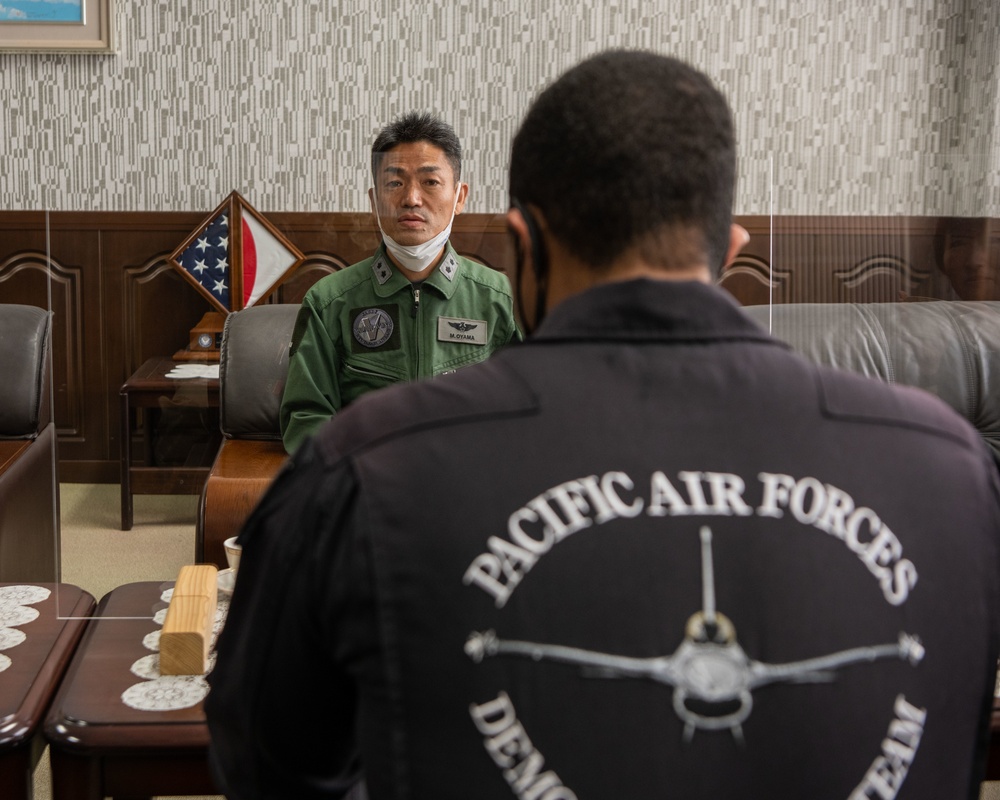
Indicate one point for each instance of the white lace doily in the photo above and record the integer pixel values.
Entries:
(169, 692)
(23, 595)
(12, 616)
(220, 620)
(147, 667)
(166, 693)
(151, 641)
(14, 611)
(188, 371)
(11, 637)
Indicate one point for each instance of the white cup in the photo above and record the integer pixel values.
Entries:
(233, 552)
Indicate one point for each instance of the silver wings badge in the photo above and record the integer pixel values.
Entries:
(462, 326)
(709, 665)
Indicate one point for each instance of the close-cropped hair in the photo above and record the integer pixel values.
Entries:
(419, 127)
(630, 150)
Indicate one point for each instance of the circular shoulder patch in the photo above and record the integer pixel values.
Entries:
(372, 327)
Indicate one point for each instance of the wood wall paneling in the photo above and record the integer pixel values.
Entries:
(59, 270)
(118, 302)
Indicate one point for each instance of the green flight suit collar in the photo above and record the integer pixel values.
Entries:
(388, 280)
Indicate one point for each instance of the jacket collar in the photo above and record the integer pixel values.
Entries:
(388, 279)
(650, 310)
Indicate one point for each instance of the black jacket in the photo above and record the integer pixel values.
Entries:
(648, 553)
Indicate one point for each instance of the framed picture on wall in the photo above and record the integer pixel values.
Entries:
(56, 26)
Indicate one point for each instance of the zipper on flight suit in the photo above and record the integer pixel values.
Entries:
(416, 328)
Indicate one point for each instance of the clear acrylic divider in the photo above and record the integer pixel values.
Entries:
(823, 231)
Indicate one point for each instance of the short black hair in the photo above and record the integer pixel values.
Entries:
(419, 127)
(630, 149)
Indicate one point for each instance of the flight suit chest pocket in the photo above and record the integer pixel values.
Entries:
(461, 342)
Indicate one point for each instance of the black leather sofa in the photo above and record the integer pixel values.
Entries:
(949, 348)
(29, 487)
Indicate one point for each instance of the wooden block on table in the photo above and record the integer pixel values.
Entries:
(187, 630)
(199, 580)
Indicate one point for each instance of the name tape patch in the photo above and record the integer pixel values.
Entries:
(469, 331)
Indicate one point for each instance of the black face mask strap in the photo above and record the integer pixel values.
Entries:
(539, 264)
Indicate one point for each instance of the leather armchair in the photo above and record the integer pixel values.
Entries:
(949, 348)
(252, 371)
(29, 489)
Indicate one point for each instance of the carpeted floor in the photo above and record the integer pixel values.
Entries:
(98, 556)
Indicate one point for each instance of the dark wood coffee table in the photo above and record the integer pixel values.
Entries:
(26, 687)
(101, 747)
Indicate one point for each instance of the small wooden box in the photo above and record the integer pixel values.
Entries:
(206, 339)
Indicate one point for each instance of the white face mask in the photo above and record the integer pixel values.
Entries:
(417, 257)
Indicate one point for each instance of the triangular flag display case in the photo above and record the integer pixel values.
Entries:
(234, 259)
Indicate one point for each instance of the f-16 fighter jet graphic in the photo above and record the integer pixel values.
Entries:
(709, 665)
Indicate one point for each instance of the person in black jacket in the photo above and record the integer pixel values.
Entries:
(649, 553)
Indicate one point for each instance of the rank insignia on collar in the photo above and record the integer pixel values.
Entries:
(382, 270)
(449, 267)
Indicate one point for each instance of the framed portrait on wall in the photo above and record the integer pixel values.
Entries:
(56, 26)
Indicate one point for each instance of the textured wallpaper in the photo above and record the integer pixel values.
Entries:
(842, 106)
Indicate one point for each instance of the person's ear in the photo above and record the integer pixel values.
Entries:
(526, 287)
(518, 227)
(738, 239)
(371, 200)
(463, 195)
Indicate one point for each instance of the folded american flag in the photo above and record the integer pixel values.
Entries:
(235, 257)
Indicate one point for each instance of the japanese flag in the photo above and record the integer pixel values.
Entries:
(265, 259)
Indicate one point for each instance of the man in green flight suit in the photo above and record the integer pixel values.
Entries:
(416, 308)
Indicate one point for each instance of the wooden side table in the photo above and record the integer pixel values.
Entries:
(28, 684)
(147, 388)
(98, 745)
